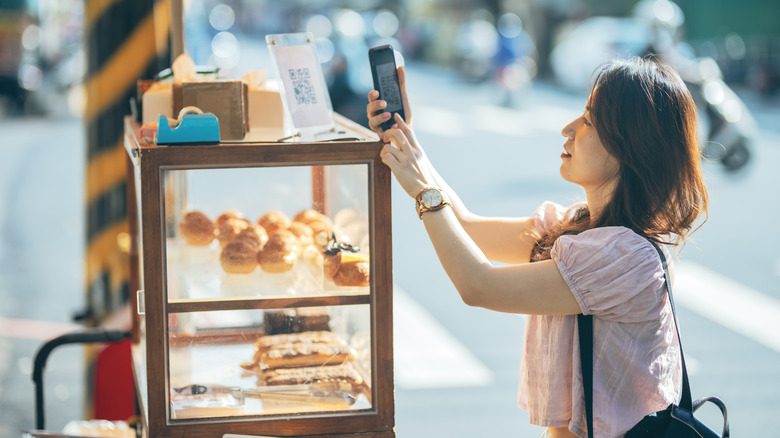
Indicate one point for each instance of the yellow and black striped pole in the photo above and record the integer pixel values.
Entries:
(126, 40)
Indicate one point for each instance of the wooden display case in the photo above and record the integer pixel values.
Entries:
(198, 372)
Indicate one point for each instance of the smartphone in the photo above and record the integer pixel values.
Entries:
(385, 74)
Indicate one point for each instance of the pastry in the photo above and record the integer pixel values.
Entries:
(313, 319)
(331, 262)
(312, 255)
(303, 233)
(310, 215)
(355, 270)
(274, 221)
(346, 268)
(296, 320)
(297, 376)
(239, 257)
(280, 253)
(265, 343)
(197, 229)
(253, 233)
(280, 321)
(229, 228)
(227, 215)
(305, 355)
(322, 233)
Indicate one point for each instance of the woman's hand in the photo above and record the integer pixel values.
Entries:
(375, 106)
(403, 154)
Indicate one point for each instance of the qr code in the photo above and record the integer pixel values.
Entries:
(302, 87)
(389, 90)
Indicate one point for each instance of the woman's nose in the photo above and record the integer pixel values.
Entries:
(568, 130)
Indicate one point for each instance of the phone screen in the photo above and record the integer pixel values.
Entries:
(386, 81)
(389, 89)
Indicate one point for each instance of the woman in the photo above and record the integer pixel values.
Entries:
(634, 151)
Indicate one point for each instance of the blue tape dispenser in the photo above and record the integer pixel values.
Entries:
(192, 127)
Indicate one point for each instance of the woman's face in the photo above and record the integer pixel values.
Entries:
(585, 160)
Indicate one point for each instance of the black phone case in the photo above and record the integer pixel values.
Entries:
(373, 54)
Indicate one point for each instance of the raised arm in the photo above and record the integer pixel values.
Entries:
(529, 288)
(501, 239)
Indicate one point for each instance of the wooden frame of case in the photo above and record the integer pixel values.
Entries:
(145, 165)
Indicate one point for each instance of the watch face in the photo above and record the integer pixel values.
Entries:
(431, 198)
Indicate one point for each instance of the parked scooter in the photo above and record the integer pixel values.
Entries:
(727, 127)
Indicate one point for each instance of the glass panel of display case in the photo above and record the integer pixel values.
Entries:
(269, 362)
(267, 231)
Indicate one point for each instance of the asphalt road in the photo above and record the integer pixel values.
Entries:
(502, 161)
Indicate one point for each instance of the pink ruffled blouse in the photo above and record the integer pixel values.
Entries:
(616, 276)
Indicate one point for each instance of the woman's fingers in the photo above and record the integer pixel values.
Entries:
(388, 155)
(397, 138)
(375, 122)
(374, 104)
(375, 112)
(411, 144)
(403, 126)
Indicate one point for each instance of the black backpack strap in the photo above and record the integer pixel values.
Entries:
(686, 401)
(585, 330)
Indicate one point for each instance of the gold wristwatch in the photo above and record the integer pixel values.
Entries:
(430, 199)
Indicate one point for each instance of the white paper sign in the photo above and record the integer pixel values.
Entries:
(306, 97)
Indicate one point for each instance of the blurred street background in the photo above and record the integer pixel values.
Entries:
(491, 85)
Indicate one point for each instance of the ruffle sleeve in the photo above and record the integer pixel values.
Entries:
(550, 214)
(614, 273)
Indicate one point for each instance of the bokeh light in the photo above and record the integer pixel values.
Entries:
(320, 26)
(350, 23)
(385, 24)
(222, 17)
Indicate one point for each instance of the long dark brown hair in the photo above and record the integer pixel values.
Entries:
(645, 117)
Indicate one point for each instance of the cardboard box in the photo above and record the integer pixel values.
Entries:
(225, 99)
(265, 109)
(156, 99)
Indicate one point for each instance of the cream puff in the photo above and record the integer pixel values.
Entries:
(197, 229)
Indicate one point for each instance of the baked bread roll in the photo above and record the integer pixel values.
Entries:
(197, 229)
(303, 233)
(323, 233)
(239, 257)
(320, 224)
(274, 221)
(347, 268)
(254, 234)
(227, 215)
(280, 253)
(313, 256)
(229, 229)
(310, 215)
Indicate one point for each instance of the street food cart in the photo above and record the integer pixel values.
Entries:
(291, 343)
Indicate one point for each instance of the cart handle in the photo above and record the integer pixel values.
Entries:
(86, 336)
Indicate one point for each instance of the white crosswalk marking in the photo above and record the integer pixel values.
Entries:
(426, 354)
(728, 303)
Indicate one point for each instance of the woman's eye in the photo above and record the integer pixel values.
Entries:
(586, 121)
